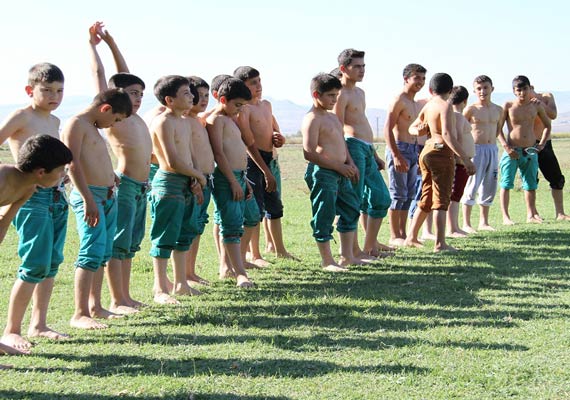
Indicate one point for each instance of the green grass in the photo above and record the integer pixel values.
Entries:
(490, 322)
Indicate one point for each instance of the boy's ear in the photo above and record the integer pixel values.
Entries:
(105, 107)
(29, 90)
(342, 68)
(315, 94)
(223, 100)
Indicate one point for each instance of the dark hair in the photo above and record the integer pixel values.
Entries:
(44, 72)
(245, 72)
(168, 86)
(411, 69)
(123, 79)
(520, 81)
(458, 95)
(195, 94)
(43, 151)
(441, 83)
(323, 82)
(347, 55)
(336, 72)
(217, 82)
(198, 82)
(483, 79)
(118, 99)
(233, 88)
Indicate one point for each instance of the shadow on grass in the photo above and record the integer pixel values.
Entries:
(14, 395)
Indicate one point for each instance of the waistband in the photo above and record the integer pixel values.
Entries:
(104, 192)
(144, 186)
(357, 140)
(485, 145)
(406, 145)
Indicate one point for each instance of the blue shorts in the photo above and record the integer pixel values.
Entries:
(41, 224)
(95, 242)
(418, 186)
(331, 195)
(527, 164)
(201, 214)
(269, 203)
(171, 208)
(370, 188)
(131, 218)
(402, 184)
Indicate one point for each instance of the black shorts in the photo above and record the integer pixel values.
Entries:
(548, 164)
(269, 203)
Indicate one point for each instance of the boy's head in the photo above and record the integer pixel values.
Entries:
(414, 76)
(173, 91)
(45, 86)
(250, 76)
(112, 105)
(132, 84)
(216, 83)
(324, 90)
(46, 157)
(440, 84)
(202, 93)
(336, 72)
(459, 94)
(483, 87)
(351, 64)
(233, 94)
(521, 87)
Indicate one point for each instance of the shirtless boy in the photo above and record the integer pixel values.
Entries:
(131, 144)
(230, 186)
(257, 123)
(40, 241)
(41, 163)
(547, 161)
(370, 186)
(437, 161)
(458, 99)
(93, 199)
(173, 188)
(328, 175)
(521, 147)
(484, 117)
(401, 151)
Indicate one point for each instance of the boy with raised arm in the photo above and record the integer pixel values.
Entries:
(93, 200)
(437, 161)
(230, 185)
(484, 117)
(173, 188)
(130, 142)
(41, 164)
(45, 214)
(257, 124)
(370, 186)
(401, 151)
(458, 99)
(547, 161)
(521, 147)
(328, 175)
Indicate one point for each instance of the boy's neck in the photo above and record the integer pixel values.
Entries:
(347, 82)
(484, 103)
(318, 109)
(409, 93)
(175, 112)
(459, 108)
(255, 101)
(40, 111)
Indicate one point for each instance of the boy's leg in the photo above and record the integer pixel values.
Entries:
(484, 218)
(95, 307)
(126, 279)
(181, 286)
(19, 300)
(82, 316)
(114, 272)
(160, 288)
(276, 236)
(191, 275)
(467, 211)
(38, 322)
(453, 221)
(504, 199)
(440, 244)
(269, 244)
(418, 219)
(531, 213)
(233, 250)
(327, 261)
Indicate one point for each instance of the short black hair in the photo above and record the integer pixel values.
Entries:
(520, 81)
(118, 99)
(43, 151)
(347, 55)
(245, 72)
(195, 94)
(411, 69)
(323, 82)
(483, 79)
(198, 82)
(336, 72)
(459, 94)
(123, 79)
(217, 81)
(44, 72)
(233, 88)
(441, 83)
(168, 86)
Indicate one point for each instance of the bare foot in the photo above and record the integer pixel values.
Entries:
(444, 248)
(6, 366)
(14, 344)
(384, 247)
(260, 263)
(186, 290)
(197, 279)
(334, 268)
(165, 298)
(287, 256)
(122, 309)
(47, 333)
(469, 229)
(85, 322)
(562, 217)
(135, 304)
(227, 273)
(169, 285)
(365, 257)
(508, 221)
(413, 243)
(250, 265)
(243, 282)
(487, 228)
(269, 248)
(534, 220)
(428, 236)
(101, 313)
(345, 262)
(457, 234)
(378, 253)
(397, 242)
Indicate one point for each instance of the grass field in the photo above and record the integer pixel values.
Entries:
(490, 322)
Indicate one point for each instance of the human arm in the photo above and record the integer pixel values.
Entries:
(278, 138)
(394, 110)
(500, 134)
(120, 62)
(7, 213)
(97, 69)
(450, 137)
(542, 114)
(12, 125)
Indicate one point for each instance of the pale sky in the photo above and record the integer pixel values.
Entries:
(290, 41)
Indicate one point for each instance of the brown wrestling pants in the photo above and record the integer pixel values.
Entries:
(437, 163)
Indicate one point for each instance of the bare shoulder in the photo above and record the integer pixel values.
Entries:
(266, 104)
(310, 118)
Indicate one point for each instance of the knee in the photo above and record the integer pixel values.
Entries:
(558, 184)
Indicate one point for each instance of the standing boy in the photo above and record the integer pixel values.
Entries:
(370, 187)
(484, 117)
(437, 161)
(93, 200)
(521, 147)
(328, 175)
(401, 151)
